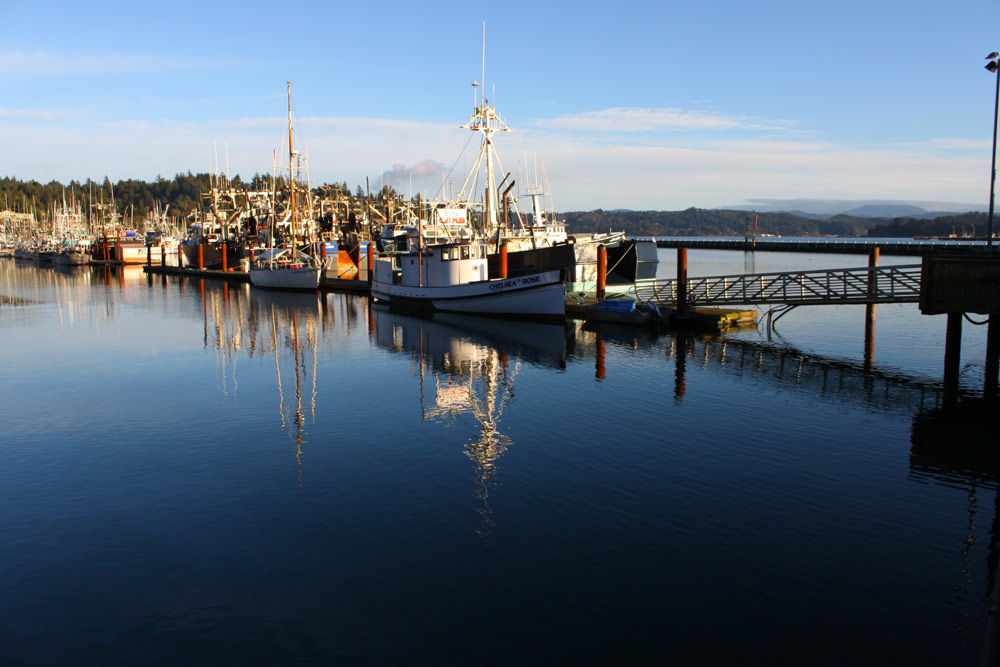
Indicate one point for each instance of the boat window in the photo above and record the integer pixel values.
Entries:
(465, 252)
(445, 255)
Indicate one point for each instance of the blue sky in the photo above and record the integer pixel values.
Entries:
(642, 105)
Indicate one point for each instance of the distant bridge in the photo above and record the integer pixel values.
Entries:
(915, 247)
(880, 284)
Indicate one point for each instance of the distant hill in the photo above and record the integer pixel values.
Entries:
(887, 211)
(712, 222)
(725, 222)
(959, 224)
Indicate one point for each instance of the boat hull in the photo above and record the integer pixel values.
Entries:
(536, 296)
(211, 254)
(303, 279)
(72, 259)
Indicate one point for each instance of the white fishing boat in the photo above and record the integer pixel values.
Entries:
(286, 268)
(453, 277)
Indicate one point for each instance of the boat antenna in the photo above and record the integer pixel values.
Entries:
(484, 56)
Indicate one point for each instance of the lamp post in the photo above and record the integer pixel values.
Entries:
(993, 66)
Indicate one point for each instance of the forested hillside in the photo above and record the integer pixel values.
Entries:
(182, 194)
(711, 222)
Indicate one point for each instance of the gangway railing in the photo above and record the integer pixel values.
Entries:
(880, 284)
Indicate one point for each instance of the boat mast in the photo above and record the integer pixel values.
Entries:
(291, 165)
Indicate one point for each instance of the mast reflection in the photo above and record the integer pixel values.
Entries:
(286, 327)
(469, 366)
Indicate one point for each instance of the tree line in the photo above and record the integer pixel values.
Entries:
(183, 194)
(713, 222)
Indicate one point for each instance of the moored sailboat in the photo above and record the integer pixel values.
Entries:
(286, 268)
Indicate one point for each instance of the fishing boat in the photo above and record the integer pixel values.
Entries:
(535, 240)
(74, 252)
(453, 277)
(286, 268)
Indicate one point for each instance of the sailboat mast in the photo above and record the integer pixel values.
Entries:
(291, 165)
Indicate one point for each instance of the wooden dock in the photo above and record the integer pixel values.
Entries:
(703, 318)
(233, 275)
(187, 272)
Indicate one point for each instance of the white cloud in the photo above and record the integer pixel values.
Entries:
(46, 63)
(945, 144)
(37, 114)
(620, 119)
(583, 172)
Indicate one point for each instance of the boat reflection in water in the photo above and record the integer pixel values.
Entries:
(283, 326)
(468, 366)
(293, 324)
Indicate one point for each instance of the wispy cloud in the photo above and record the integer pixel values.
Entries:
(50, 63)
(585, 171)
(621, 119)
(37, 114)
(946, 144)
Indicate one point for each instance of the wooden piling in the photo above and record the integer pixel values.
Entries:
(952, 357)
(602, 271)
(225, 260)
(503, 260)
(180, 257)
(870, 310)
(680, 357)
(992, 356)
(163, 254)
(201, 256)
(599, 371)
(149, 254)
(371, 262)
(682, 278)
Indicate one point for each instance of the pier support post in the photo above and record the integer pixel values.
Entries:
(371, 262)
(149, 254)
(599, 371)
(992, 356)
(602, 271)
(952, 357)
(225, 260)
(503, 261)
(680, 358)
(201, 256)
(180, 256)
(163, 255)
(870, 310)
(682, 279)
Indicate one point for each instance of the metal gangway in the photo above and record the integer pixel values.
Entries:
(879, 284)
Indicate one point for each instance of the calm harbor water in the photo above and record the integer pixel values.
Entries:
(201, 473)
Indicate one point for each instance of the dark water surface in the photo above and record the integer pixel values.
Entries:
(192, 473)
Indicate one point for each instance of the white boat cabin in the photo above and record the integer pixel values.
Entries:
(438, 265)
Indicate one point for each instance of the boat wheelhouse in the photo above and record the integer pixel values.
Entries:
(454, 277)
